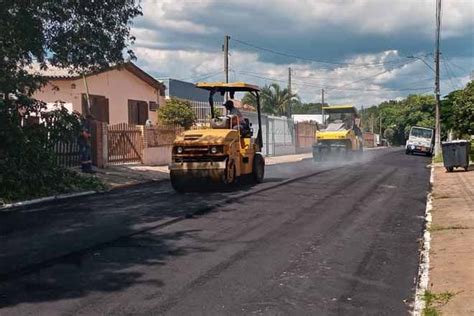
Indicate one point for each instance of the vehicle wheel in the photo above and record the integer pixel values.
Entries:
(466, 168)
(230, 173)
(177, 184)
(449, 169)
(258, 168)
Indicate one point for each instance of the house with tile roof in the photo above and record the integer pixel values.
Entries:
(118, 94)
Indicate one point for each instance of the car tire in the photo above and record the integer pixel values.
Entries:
(258, 168)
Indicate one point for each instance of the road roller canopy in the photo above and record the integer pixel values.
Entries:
(340, 109)
(223, 87)
(231, 88)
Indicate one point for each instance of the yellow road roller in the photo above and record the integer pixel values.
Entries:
(222, 153)
(341, 136)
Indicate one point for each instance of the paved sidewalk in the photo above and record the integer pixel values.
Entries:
(452, 245)
(131, 174)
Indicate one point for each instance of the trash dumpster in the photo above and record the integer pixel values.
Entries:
(456, 154)
(472, 150)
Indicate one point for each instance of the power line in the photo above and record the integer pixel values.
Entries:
(202, 77)
(298, 83)
(451, 71)
(449, 76)
(258, 75)
(310, 59)
(370, 77)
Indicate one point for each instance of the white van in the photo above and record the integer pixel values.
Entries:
(421, 140)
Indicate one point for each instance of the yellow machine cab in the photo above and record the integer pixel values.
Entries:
(341, 135)
(223, 152)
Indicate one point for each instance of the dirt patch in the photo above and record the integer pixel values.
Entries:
(452, 247)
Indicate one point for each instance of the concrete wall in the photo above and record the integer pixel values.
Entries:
(278, 134)
(157, 155)
(117, 85)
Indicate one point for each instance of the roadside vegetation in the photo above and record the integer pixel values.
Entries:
(273, 99)
(394, 117)
(80, 35)
(434, 301)
(457, 115)
(177, 112)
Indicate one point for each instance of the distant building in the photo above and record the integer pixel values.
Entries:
(188, 91)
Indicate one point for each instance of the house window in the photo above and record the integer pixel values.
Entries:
(153, 106)
(99, 107)
(137, 112)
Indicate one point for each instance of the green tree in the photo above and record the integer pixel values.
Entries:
(389, 135)
(273, 100)
(250, 99)
(457, 111)
(177, 112)
(277, 100)
(307, 108)
(82, 35)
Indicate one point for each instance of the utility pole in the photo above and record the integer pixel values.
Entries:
(380, 125)
(437, 148)
(289, 91)
(372, 119)
(225, 48)
(226, 57)
(322, 97)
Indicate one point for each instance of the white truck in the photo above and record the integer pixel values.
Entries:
(420, 140)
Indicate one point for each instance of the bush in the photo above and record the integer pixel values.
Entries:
(28, 163)
(177, 112)
(389, 135)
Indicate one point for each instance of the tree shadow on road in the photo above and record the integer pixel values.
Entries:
(111, 267)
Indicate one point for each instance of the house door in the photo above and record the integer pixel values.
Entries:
(137, 112)
(99, 107)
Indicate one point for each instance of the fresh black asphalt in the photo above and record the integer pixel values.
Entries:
(344, 241)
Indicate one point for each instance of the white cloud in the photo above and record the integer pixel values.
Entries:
(182, 39)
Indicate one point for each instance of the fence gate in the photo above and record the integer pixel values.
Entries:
(67, 153)
(125, 143)
(305, 136)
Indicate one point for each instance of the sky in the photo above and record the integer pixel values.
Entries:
(360, 52)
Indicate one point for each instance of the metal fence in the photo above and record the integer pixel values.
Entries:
(203, 110)
(67, 153)
(279, 135)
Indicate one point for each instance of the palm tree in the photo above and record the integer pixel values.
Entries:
(274, 100)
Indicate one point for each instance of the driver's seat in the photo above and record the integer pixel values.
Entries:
(245, 130)
(222, 122)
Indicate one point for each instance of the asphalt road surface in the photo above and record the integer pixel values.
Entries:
(342, 241)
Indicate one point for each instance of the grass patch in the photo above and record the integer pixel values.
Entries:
(434, 301)
(438, 158)
(435, 228)
(65, 181)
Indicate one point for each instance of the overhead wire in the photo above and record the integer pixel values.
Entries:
(204, 76)
(448, 74)
(298, 83)
(450, 69)
(353, 65)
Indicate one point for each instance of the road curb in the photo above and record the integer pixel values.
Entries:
(424, 261)
(11, 207)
